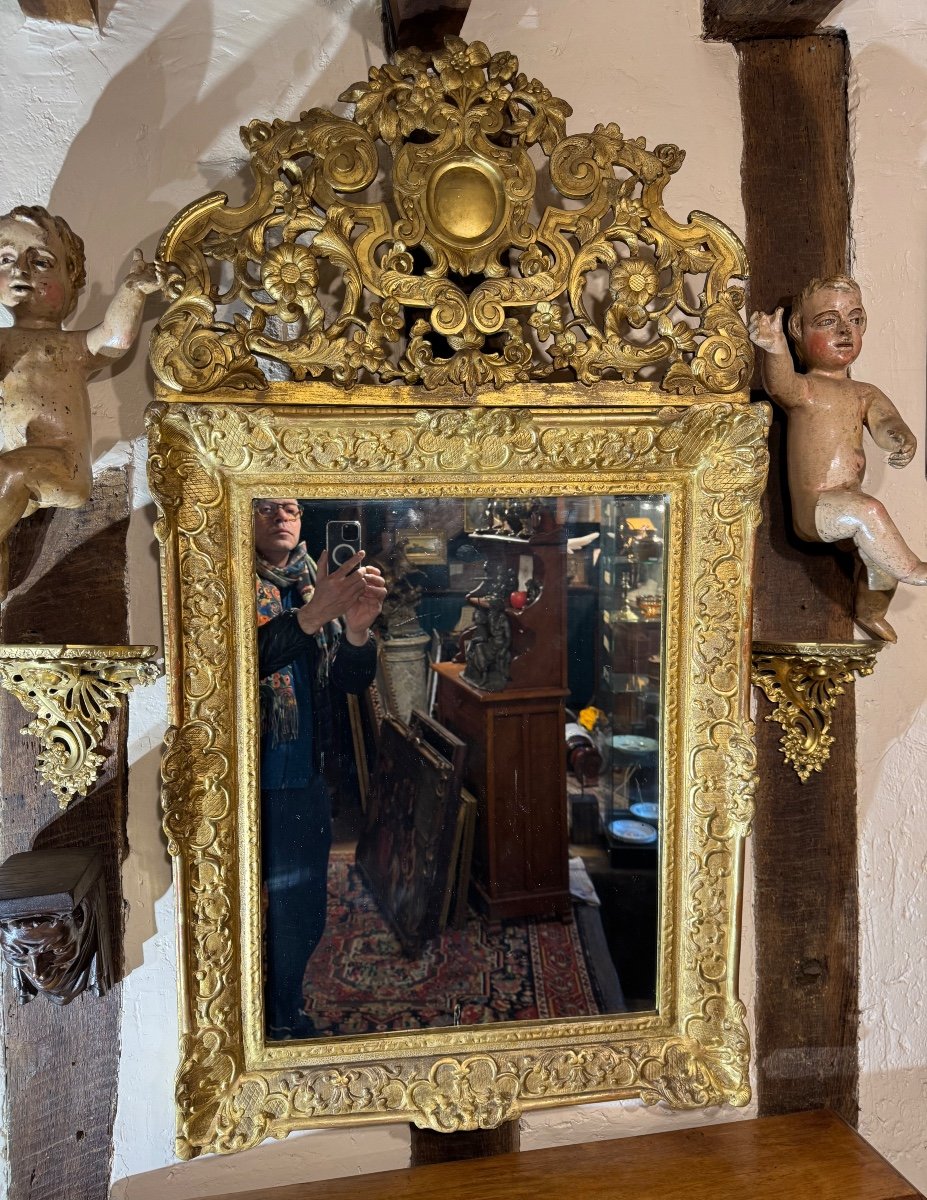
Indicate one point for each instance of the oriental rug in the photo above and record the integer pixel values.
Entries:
(358, 981)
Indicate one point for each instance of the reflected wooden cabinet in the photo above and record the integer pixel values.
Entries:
(516, 768)
(516, 763)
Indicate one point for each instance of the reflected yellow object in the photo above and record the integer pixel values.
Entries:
(590, 717)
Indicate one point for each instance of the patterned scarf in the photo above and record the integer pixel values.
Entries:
(279, 710)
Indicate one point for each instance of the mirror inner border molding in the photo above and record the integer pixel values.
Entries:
(207, 462)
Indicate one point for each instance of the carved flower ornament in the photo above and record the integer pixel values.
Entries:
(461, 226)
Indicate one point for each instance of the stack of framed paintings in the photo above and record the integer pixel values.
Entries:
(414, 836)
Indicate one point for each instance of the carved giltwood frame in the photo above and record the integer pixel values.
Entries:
(471, 251)
(207, 463)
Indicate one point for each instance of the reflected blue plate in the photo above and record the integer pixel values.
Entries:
(646, 810)
(632, 743)
(637, 832)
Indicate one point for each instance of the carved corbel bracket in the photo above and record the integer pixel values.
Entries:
(803, 681)
(54, 923)
(73, 692)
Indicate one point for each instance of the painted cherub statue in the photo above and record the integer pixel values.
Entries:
(45, 447)
(826, 413)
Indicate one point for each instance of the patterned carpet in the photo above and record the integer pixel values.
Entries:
(358, 982)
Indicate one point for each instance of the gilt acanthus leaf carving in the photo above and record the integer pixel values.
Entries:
(464, 262)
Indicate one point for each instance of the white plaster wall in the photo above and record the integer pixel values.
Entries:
(888, 45)
(116, 130)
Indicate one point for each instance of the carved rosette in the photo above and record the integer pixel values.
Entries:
(73, 692)
(804, 680)
(467, 262)
(206, 463)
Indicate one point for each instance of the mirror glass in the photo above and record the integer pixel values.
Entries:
(460, 824)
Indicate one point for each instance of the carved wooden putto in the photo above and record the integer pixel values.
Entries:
(450, 232)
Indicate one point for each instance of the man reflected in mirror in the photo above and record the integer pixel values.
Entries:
(313, 636)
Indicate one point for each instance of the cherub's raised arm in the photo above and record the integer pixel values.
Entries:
(119, 328)
(779, 376)
(888, 429)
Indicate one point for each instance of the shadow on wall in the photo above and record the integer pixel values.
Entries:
(143, 153)
(892, 197)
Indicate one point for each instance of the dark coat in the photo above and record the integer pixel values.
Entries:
(351, 669)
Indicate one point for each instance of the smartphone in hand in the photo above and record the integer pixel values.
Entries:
(342, 540)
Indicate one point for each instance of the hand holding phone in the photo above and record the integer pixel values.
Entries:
(342, 541)
(354, 596)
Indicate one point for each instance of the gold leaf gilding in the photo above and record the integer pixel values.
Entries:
(444, 274)
(206, 463)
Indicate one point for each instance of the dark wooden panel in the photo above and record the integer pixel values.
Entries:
(421, 23)
(516, 768)
(805, 1156)
(737, 19)
(795, 161)
(429, 1147)
(68, 571)
(68, 575)
(796, 197)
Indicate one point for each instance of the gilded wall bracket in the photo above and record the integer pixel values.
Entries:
(73, 692)
(803, 681)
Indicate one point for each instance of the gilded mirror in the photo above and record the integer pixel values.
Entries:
(542, 786)
(491, 851)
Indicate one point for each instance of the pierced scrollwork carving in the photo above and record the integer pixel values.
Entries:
(804, 680)
(470, 262)
(206, 462)
(73, 691)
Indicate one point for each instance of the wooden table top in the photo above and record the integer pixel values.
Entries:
(802, 1156)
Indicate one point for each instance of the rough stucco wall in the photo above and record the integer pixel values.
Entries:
(116, 131)
(888, 96)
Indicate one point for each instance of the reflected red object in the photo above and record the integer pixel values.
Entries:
(518, 600)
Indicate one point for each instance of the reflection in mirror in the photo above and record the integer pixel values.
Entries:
(460, 817)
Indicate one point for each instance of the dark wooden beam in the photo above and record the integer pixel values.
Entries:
(797, 204)
(62, 1064)
(421, 23)
(63, 12)
(429, 1147)
(729, 20)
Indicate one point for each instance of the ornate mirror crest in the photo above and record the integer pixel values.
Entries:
(451, 233)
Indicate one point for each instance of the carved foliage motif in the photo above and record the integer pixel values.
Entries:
(713, 460)
(73, 694)
(469, 261)
(804, 681)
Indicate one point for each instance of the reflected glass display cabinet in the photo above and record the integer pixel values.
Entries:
(631, 569)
